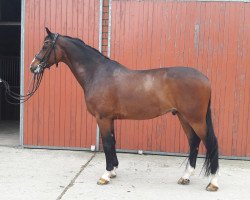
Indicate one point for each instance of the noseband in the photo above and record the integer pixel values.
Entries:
(44, 60)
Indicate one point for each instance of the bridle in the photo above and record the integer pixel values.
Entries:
(36, 79)
(44, 60)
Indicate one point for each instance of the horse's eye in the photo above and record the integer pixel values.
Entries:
(46, 42)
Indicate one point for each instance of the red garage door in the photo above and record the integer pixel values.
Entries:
(213, 37)
(56, 115)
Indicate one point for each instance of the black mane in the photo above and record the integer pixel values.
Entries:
(79, 42)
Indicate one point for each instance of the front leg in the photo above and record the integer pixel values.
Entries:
(115, 160)
(108, 141)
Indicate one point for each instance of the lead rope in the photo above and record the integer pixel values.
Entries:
(33, 86)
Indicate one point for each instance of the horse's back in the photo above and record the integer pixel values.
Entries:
(186, 73)
(177, 73)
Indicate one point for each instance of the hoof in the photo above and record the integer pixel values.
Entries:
(183, 181)
(102, 181)
(212, 188)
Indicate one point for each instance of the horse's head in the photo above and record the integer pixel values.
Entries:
(48, 55)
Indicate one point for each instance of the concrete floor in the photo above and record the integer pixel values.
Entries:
(9, 133)
(28, 174)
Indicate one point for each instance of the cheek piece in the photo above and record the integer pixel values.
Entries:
(44, 60)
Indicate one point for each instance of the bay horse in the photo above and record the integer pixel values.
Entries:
(113, 92)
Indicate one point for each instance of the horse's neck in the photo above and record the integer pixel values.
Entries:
(81, 62)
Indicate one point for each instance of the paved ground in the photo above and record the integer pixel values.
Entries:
(9, 133)
(45, 175)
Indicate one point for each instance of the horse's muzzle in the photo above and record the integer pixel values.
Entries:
(36, 69)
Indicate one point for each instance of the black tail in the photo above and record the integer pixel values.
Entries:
(211, 162)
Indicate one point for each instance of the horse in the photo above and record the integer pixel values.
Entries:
(114, 92)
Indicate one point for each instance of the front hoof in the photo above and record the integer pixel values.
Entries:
(212, 188)
(183, 181)
(102, 181)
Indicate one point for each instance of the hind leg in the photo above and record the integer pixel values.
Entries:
(211, 163)
(194, 142)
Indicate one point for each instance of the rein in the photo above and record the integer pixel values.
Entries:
(35, 80)
(33, 86)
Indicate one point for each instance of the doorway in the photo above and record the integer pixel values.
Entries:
(10, 39)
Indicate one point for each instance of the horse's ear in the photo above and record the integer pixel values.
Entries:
(48, 32)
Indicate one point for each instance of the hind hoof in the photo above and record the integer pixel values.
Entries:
(102, 181)
(212, 188)
(183, 181)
